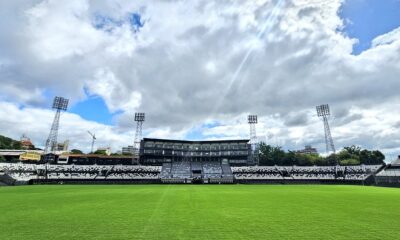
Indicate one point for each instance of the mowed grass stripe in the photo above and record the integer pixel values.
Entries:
(199, 212)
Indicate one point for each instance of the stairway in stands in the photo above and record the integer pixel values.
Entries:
(184, 172)
(227, 174)
(181, 170)
(166, 170)
(176, 172)
(6, 180)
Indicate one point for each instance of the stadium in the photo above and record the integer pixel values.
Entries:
(184, 189)
(181, 189)
(199, 119)
(170, 161)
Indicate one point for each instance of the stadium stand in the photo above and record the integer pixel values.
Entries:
(55, 173)
(6, 180)
(227, 176)
(212, 170)
(166, 170)
(181, 170)
(390, 175)
(188, 172)
(300, 173)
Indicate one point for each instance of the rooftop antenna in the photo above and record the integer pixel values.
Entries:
(139, 119)
(93, 139)
(59, 104)
(252, 120)
(323, 112)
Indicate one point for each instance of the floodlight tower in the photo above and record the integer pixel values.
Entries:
(139, 119)
(59, 104)
(93, 139)
(323, 111)
(252, 120)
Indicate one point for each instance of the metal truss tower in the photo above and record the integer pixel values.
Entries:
(323, 112)
(59, 104)
(139, 119)
(93, 140)
(252, 120)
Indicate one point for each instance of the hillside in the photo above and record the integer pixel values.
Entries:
(9, 143)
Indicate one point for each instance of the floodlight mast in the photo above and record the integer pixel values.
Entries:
(139, 119)
(323, 112)
(93, 139)
(59, 104)
(252, 120)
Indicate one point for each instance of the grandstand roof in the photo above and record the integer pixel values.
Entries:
(96, 156)
(198, 141)
(396, 162)
(13, 152)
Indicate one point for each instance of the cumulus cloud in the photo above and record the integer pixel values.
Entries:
(193, 62)
(387, 38)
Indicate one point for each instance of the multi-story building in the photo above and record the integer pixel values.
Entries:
(157, 151)
(106, 150)
(63, 147)
(127, 150)
(308, 150)
(26, 143)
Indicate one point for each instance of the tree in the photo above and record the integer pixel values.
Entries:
(100, 152)
(321, 161)
(353, 150)
(315, 159)
(353, 155)
(269, 155)
(278, 155)
(365, 156)
(290, 159)
(2, 158)
(378, 157)
(76, 151)
(350, 161)
(344, 154)
(8, 143)
(331, 159)
(16, 145)
(305, 159)
(356, 155)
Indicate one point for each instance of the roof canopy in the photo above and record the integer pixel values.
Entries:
(197, 141)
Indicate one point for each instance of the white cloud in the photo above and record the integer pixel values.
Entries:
(177, 68)
(387, 38)
(115, 93)
(61, 29)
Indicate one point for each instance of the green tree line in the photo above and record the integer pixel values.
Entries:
(270, 155)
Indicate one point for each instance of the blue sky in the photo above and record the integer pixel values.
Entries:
(369, 19)
(107, 23)
(197, 133)
(94, 109)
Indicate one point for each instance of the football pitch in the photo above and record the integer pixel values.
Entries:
(199, 212)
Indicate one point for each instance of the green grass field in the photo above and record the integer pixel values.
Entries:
(199, 212)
